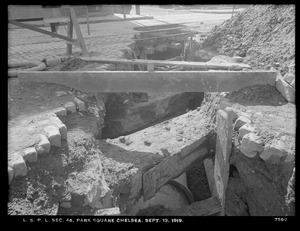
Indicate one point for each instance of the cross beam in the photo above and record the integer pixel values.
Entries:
(152, 81)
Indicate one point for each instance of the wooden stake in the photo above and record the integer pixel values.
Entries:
(70, 35)
(87, 20)
(78, 32)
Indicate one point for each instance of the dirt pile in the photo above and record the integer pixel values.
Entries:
(263, 34)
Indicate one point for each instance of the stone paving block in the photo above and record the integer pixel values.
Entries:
(70, 107)
(251, 145)
(61, 127)
(60, 93)
(285, 89)
(10, 174)
(61, 111)
(53, 135)
(240, 121)
(17, 163)
(80, 105)
(43, 146)
(30, 154)
(275, 152)
(245, 129)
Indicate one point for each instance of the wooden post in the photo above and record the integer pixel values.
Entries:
(232, 11)
(138, 9)
(223, 151)
(124, 11)
(191, 44)
(70, 35)
(87, 20)
(78, 32)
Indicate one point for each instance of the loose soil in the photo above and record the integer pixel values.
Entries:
(246, 34)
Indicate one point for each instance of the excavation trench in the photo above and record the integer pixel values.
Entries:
(128, 113)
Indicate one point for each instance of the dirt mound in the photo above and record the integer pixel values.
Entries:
(263, 34)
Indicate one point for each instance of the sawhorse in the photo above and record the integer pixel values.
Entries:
(56, 15)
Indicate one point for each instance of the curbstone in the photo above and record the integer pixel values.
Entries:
(17, 163)
(276, 152)
(10, 174)
(285, 89)
(245, 129)
(238, 59)
(80, 105)
(240, 121)
(61, 111)
(60, 93)
(61, 127)
(70, 107)
(30, 154)
(43, 146)
(53, 135)
(233, 115)
(251, 145)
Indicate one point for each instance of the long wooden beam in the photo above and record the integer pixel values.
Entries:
(152, 81)
(35, 28)
(172, 167)
(225, 66)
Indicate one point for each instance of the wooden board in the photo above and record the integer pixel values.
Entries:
(235, 66)
(37, 29)
(209, 170)
(78, 33)
(223, 151)
(171, 167)
(153, 81)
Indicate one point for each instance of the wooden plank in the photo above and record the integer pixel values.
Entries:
(146, 28)
(35, 28)
(175, 63)
(167, 36)
(138, 9)
(169, 168)
(209, 170)
(202, 65)
(223, 151)
(154, 81)
(206, 207)
(78, 33)
(87, 20)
